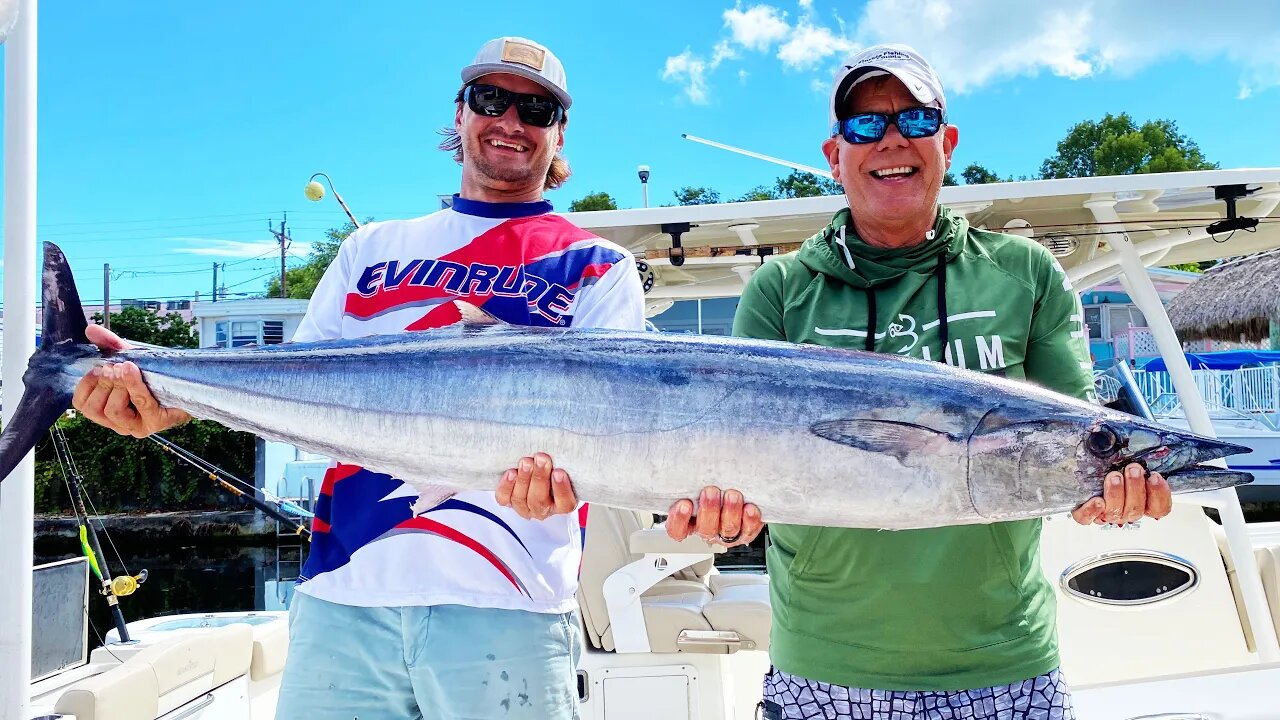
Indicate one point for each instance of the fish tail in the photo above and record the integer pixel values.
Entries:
(62, 342)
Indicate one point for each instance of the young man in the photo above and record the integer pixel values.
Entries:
(463, 609)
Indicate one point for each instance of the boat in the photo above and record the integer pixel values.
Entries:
(1186, 608)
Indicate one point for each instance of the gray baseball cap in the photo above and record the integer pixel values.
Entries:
(901, 61)
(523, 57)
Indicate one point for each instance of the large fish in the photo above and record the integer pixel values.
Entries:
(813, 435)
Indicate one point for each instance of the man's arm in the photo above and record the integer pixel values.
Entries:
(615, 301)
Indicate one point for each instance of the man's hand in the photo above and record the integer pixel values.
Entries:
(536, 489)
(723, 519)
(1127, 498)
(114, 395)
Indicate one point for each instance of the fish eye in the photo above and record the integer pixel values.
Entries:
(1103, 441)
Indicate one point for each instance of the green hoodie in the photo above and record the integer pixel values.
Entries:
(949, 608)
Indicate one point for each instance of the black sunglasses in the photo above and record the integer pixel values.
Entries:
(493, 101)
(916, 122)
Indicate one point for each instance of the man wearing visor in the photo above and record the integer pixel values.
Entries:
(952, 622)
(445, 606)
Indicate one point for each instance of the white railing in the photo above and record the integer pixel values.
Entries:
(1249, 392)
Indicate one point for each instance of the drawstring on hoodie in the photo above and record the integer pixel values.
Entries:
(941, 272)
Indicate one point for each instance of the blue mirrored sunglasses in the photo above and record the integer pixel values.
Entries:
(916, 122)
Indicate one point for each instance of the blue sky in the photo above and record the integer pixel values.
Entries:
(172, 132)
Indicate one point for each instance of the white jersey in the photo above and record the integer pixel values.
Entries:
(525, 266)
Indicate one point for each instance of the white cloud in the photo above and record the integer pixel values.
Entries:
(742, 78)
(810, 44)
(238, 248)
(757, 28)
(690, 71)
(977, 43)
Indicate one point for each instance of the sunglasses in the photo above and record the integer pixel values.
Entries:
(916, 122)
(493, 101)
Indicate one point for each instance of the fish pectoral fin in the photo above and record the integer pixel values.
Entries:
(901, 440)
(476, 315)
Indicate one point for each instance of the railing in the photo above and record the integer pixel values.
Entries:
(1248, 392)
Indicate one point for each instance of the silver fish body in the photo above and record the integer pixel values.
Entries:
(812, 435)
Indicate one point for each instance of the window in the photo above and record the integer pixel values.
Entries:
(244, 333)
(717, 316)
(1093, 318)
(682, 317)
(272, 332)
(220, 333)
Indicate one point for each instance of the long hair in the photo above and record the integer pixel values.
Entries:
(556, 174)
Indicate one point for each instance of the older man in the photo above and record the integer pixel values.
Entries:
(466, 608)
(955, 622)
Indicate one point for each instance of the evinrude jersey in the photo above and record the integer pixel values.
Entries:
(526, 266)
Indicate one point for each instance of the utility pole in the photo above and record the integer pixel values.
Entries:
(282, 237)
(215, 282)
(106, 295)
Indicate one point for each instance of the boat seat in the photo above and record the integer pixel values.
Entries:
(1268, 557)
(159, 679)
(270, 649)
(641, 591)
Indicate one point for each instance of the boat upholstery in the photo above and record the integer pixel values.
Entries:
(695, 598)
(161, 678)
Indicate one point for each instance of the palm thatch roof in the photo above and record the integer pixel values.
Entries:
(1234, 298)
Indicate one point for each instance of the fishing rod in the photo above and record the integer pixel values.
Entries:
(229, 482)
(113, 590)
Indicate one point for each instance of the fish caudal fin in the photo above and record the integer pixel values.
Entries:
(62, 342)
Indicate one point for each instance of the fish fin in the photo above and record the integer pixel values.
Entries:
(476, 315)
(901, 440)
(430, 496)
(62, 342)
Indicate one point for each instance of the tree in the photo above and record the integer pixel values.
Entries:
(149, 326)
(1116, 145)
(975, 174)
(759, 192)
(806, 184)
(696, 196)
(594, 201)
(304, 278)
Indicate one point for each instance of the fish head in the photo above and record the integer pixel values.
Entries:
(1112, 443)
(1026, 461)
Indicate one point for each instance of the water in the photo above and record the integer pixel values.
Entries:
(187, 579)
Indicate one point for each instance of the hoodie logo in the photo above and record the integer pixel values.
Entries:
(896, 330)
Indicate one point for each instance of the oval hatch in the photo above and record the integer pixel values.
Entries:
(1132, 577)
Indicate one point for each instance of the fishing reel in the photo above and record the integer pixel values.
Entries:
(127, 584)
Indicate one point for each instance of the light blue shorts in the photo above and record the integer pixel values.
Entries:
(446, 662)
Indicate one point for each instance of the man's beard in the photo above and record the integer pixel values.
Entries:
(507, 173)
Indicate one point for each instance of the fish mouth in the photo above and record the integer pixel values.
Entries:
(1205, 477)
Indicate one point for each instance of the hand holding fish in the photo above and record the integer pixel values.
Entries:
(1127, 498)
(536, 489)
(725, 518)
(114, 395)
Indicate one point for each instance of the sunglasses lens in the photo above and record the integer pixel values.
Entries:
(864, 128)
(919, 122)
(488, 100)
(537, 111)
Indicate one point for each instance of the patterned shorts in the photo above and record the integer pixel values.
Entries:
(787, 697)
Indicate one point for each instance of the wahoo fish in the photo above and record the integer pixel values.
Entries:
(812, 435)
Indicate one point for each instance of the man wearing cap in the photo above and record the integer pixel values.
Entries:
(446, 605)
(953, 622)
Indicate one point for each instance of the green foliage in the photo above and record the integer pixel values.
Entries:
(149, 326)
(123, 473)
(976, 174)
(696, 196)
(594, 201)
(1116, 145)
(949, 179)
(804, 184)
(302, 280)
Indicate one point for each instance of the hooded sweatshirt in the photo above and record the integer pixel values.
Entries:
(949, 608)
